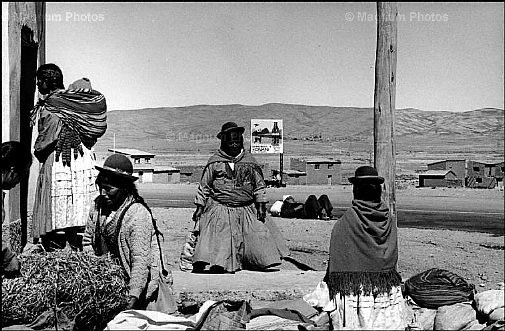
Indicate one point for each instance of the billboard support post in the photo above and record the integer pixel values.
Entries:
(281, 167)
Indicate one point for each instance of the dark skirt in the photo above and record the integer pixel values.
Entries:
(234, 239)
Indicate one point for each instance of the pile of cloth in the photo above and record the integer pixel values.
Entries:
(64, 289)
(438, 299)
(222, 315)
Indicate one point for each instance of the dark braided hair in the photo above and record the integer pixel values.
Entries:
(52, 74)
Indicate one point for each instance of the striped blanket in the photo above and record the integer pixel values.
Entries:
(83, 110)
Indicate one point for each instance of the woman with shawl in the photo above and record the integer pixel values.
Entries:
(234, 230)
(69, 124)
(364, 286)
(121, 224)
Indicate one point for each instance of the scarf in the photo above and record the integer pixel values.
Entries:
(83, 110)
(243, 162)
(363, 251)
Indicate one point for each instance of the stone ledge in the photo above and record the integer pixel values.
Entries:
(245, 285)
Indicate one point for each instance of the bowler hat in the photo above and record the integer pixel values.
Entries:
(229, 126)
(366, 173)
(118, 165)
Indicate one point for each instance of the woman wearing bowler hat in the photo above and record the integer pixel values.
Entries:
(121, 224)
(235, 232)
(365, 288)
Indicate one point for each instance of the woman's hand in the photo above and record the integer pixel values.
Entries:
(132, 303)
(261, 211)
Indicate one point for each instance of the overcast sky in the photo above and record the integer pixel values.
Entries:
(450, 55)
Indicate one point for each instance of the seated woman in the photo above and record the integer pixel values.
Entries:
(16, 162)
(121, 224)
(365, 288)
(313, 208)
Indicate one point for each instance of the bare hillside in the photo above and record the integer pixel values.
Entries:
(311, 130)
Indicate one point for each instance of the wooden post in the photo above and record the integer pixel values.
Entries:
(384, 101)
(281, 167)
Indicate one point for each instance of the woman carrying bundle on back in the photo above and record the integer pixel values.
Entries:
(69, 123)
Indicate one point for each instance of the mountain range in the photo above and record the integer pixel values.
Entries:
(192, 129)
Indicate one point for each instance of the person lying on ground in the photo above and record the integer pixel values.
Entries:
(313, 208)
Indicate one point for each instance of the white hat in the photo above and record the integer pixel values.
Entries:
(284, 197)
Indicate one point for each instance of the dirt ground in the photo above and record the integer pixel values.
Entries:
(478, 257)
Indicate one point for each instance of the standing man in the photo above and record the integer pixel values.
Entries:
(235, 232)
(69, 124)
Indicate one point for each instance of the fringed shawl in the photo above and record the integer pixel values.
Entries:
(83, 110)
(363, 251)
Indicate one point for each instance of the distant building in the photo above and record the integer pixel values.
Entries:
(483, 175)
(191, 174)
(143, 166)
(474, 174)
(318, 171)
(294, 177)
(439, 178)
(457, 166)
(166, 175)
(498, 170)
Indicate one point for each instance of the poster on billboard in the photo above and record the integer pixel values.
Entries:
(266, 136)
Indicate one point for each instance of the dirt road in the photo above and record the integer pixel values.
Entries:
(453, 209)
(478, 257)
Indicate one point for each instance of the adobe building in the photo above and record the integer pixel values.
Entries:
(439, 178)
(143, 166)
(483, 175)
(457, 166)
(294, 177)
(166, 175)
(318, 171)
(23, 51)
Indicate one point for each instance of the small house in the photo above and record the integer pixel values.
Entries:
(319, 171)
(457, 166)
(143, 166)
(166, 175)
(439, 178)
(294, 177)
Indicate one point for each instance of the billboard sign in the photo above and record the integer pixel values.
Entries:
(266, 136)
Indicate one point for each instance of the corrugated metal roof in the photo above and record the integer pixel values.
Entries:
(446, 161)
(322, 160)
(166, 168)
(294, 172)
(441, 173)
(131, 152)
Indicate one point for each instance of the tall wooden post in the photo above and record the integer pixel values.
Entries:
(384, 101)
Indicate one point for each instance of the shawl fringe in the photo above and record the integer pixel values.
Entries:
(355, 283)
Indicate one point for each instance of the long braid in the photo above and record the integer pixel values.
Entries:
(135, 193)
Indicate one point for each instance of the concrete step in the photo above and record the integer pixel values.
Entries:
(246, 285)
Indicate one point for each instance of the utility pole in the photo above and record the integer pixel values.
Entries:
(384, 101)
